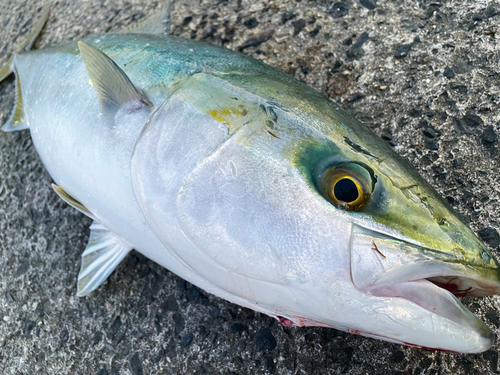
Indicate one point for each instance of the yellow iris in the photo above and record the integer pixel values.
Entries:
(355, 189)
(357, 201)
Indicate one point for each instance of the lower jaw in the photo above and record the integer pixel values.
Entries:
(304, 322)
(450, 310)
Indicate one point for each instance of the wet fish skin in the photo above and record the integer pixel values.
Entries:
(219, 181)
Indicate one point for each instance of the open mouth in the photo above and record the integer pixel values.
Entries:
(383, 266)
(461, 286)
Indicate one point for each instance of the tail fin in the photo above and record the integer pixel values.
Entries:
(16, 120)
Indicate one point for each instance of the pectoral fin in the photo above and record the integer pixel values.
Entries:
(102, 255)
(114, 89)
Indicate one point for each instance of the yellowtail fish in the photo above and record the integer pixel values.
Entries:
(248, 184)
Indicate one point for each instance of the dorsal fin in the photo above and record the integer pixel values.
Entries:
(114, 89)
(156, 23)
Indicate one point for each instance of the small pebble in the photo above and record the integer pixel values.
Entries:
(170, 304)
(431, 145)
(492, 357)
(287, 17)
(251, 23)
(489, 136)
(490, 236)
(430, 132)
(473, 120)
(492, 316)
(415, 112)
(264, 340)
(368, 4)
(397, 357)
(187, 340)
(255, 42)
(239, 327)
(356, 52)
(178, 322)
(269, 365)
(402, 51)
(298, 26)
(448, 72)
(315, 32)
(136, 365)
(339, 9)
(23, 268)
(386, 136)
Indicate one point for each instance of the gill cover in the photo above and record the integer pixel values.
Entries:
(189, 148)
(211, 181)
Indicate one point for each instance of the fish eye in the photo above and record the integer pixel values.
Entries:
(348, 185)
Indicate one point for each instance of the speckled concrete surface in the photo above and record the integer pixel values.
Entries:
(422, 74)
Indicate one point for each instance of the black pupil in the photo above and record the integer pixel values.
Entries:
(345, 190)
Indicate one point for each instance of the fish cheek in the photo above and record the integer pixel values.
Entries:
(256, 218)
(222, 209)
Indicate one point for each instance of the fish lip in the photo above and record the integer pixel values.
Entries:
(401, 260)
(391, 267)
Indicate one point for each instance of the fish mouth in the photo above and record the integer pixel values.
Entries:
(426, 280)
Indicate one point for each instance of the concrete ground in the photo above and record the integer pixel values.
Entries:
(424, 75)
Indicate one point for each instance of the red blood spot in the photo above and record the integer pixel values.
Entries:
(446, 286)
(285, 322)
(453, 287)
(352, 330)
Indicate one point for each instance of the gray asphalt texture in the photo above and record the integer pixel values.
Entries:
(424, 75)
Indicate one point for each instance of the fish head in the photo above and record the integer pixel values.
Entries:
(411, 254)
(278, 200)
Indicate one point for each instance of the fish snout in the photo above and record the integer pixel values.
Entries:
(422, 285)
(379, 260)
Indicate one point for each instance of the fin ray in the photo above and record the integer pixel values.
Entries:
(110, 82)
(156, 23)
(72, 201)
(16, 120)
(104, 252)
(95, 267)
